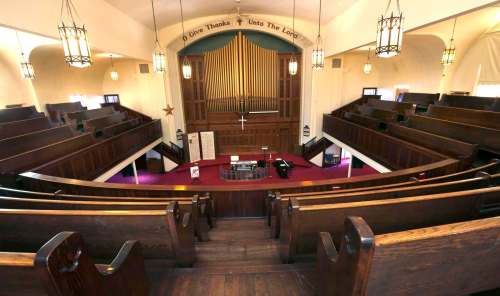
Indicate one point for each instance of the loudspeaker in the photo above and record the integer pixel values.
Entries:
(143, 68)
(336, 63)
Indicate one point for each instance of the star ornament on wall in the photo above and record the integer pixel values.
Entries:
(169, 110)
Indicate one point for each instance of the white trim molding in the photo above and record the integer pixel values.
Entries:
(377, 166)
(117, 168)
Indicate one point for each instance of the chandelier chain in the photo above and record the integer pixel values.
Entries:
(293, 23)
(389, 6)
(70, 9)
(319, 20)
(154, 21)
(453, 32)
(182, 22)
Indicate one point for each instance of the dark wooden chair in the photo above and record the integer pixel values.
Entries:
(448, 259)
(64, 266)
(164, 234)
(299, 232)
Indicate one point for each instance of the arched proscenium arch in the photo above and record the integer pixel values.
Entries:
(230, 24)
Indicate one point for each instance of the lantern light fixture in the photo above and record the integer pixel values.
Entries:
(318, 54)
(367, 68)
(27, 71)
(74, 38)
(390, 32)
(293, 64)
(113, 74)
(159, 60)
(449, 53)
(186, 64)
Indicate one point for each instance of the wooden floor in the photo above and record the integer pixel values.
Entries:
(239, 259)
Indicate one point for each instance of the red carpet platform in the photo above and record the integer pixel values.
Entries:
(209, 172)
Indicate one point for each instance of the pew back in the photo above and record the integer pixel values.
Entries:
(163, 234)
(299, 233)
(399, 107)
(22, 143)
(120, 127)
(78, 117)
(20, 127)
(475, 117)
(421, 99)
(19, 113)
(488, 139)
(56, 111)
(470, 102)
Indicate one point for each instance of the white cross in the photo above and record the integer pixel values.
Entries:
(242, 120)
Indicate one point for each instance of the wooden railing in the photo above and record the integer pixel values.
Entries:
(91, 162)
(389, 151)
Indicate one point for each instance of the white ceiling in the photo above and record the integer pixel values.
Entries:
(168, 11)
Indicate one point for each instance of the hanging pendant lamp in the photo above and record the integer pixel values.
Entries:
(27, 71)
(390, 33)
(74, 38)
(318, 55)
(367, 68)
(159, 63)
(113, 74)
(293, 64)
(186, 64)
(449, 53)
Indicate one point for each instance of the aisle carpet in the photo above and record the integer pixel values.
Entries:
(209, 172)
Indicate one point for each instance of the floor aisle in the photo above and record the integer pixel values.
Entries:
(239, 259)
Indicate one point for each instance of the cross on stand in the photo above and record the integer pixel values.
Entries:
(242, 120)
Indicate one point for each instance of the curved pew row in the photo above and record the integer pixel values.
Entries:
(65, 259)
(198, 207)
(227, 199)
(450, 259)
(299, 233)
(163, 234)
(19, 113)
(278, 199)
(283, 206)
(20, 127)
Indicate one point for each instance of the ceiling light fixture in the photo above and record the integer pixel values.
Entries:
(186, 64)
(113, 74)
(318, 54)
(449, 53)
(26, 67)
(159, 64)
(390, 33)
(74, 38)
(293, 64)
(367, 68)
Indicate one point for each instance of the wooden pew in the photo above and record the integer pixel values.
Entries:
(76, 118)
(57, 111)
(465, 152)
(381, 114)
(390, 152)
(399, 107)
(20, 113)
(198, 207)
(366, 121)
(20, 127)
(470, 102)
(166, 235)
(22, 143)
(96, 125)
(282, 204)
(475, 117)
(64, 259)
(205, 202)
(488, 139)
(120, 127)
(299, 233)
(422, 100)
(33, 158)
(450, 259)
